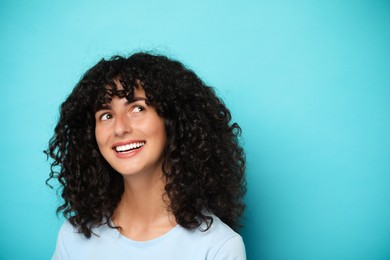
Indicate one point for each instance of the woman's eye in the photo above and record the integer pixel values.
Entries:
(105, 117)
(138, 109)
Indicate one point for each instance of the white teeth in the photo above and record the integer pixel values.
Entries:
(127, 147)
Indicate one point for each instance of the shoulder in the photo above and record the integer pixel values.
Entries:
(219, 241)
(70, 242)
(61, 251)
(69, 234)
(218, 230)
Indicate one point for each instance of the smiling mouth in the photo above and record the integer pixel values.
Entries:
(128, 147)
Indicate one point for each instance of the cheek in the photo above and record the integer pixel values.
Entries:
(160, 132)
(99, 135)
(101, 141)
(158, 127)
(155, 129)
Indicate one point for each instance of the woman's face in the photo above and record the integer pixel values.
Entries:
(131, 135)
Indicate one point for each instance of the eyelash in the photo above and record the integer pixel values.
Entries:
(105, 115)
(102, 117)
(139, 107)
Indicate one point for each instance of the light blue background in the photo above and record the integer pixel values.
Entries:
(309, 82)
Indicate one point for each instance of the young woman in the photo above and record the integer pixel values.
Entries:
(149, 165)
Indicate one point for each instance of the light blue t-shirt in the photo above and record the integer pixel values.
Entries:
(217, 243)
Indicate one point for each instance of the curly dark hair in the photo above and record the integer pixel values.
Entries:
(203, 162)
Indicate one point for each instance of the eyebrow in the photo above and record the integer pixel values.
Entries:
(135, 99)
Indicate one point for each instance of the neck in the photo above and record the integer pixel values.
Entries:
(143, 198)
(143, 212)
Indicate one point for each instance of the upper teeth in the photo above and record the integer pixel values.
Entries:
(122, 148)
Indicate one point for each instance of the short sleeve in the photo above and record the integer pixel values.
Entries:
(232, 249)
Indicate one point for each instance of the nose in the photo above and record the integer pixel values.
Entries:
(122, 125)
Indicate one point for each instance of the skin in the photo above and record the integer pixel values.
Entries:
(142, 212)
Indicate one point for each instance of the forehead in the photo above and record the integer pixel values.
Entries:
(139, 92)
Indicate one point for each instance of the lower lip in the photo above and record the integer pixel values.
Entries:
(129, 154)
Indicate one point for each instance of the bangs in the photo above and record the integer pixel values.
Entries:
(119, 88)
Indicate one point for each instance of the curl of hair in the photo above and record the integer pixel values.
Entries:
(203, 162)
